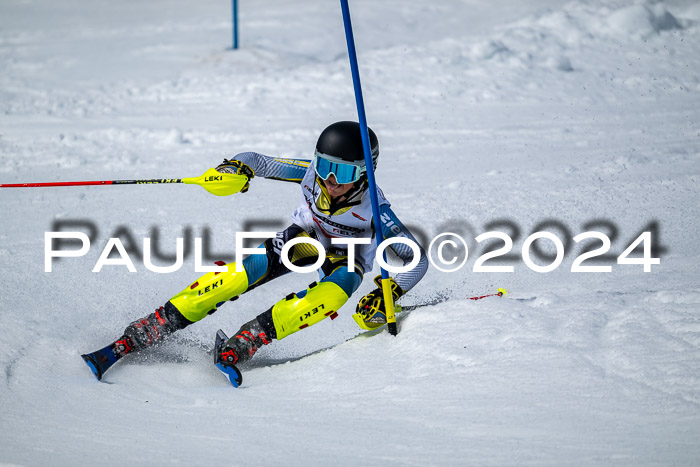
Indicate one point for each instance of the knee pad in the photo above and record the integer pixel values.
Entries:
(209, 292)
(298, 311)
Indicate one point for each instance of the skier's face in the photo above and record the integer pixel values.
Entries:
(335, 189)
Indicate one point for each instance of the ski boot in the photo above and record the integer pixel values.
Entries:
(140, 334)
(238, 349)
(155, 327)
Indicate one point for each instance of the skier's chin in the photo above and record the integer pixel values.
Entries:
(336, 189)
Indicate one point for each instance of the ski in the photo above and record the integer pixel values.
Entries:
(102, 360)
(228, 369)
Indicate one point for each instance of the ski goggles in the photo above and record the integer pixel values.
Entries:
(345, 172)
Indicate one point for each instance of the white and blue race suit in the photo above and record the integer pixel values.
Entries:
(321, 220)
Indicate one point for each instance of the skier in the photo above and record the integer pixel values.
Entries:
(335, 204)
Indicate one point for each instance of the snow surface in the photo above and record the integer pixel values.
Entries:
(486, 111)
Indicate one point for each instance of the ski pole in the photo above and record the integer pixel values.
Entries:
(216, 183)
(499, 293)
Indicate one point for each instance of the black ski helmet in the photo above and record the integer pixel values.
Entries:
(344, 141)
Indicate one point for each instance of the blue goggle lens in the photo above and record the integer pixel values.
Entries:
(344, 173)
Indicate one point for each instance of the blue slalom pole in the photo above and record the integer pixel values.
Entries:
(234, 13)
(386, 287)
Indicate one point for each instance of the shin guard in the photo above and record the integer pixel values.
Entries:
(209, 292)
(307, 308)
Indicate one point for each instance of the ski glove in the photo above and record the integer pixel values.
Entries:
(371, 307)
(236, 167)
